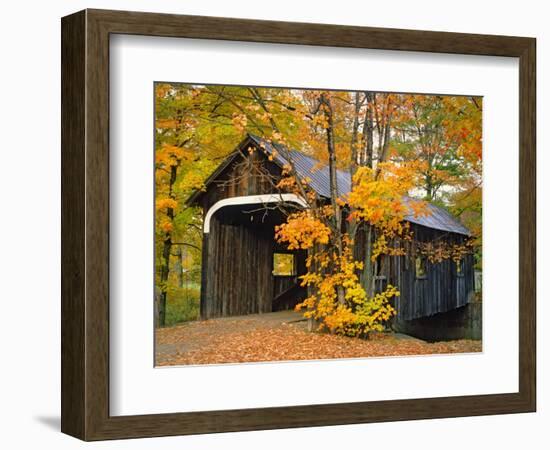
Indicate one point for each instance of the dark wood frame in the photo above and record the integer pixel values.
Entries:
(85, 224)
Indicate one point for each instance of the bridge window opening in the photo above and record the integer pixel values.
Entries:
(284, 265)
(420, 267)
(459, 267)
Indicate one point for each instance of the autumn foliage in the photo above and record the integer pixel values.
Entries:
(400, 150)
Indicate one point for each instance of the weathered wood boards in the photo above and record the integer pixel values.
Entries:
(237, 278)
(441, 290)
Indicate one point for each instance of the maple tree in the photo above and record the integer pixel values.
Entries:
(189, 143)
(342, 288)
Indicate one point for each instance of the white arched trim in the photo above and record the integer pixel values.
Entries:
(251, 200)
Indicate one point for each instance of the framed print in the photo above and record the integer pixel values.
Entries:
(272, 225)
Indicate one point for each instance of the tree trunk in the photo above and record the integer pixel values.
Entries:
(164, 272)
(429, 188)
(337, 211)
(355, 136)
(367, 276)
(178, 266)
(368, 130)
(166, 249)
(157, 306)
(383, 151)
(355, 158)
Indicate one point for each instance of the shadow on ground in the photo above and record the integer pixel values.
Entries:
(52, 422)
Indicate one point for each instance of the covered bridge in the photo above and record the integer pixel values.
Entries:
(245, 271)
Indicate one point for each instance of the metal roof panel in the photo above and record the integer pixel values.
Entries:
(318, 174)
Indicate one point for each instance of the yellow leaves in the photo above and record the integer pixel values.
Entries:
(192, 181)
(354, 318)
(357, 315)
(332, 272)
(340, 319)
(302, 231)
(378, 197)
(320, 121)
(278, 137)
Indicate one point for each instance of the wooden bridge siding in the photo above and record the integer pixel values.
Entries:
(237, 279)
(237, 260)
(232, 183)
(442, 290)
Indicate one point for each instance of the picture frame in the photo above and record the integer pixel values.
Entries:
(85, 224)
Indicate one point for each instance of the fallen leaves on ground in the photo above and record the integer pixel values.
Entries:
(217, 342)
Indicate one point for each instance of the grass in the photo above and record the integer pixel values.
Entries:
(182, 305)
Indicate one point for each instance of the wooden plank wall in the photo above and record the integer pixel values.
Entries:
(237, 277)
(235, 180)
(440, 291)
(237, 258)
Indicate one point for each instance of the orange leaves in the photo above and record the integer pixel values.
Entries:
(464, 126)
(419, 208)
(439, 251)
(165, 203)
(166, 226)
(257, 338)
(161, 90)
(171, 155)
(302, 231)
(166, 123)
(288, 184)
(239, 121)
